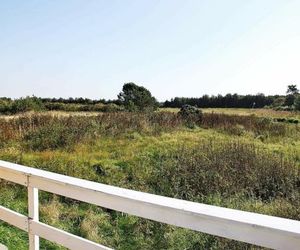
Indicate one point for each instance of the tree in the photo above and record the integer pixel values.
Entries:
(219, 101)
(279, 101)
(297, 103)
(292, 92)
(137, 98)
(289, 100)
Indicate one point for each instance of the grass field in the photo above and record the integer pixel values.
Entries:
(240, 111)
(232, 160)
(269, 113)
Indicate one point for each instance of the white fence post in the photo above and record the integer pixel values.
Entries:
(33, 214)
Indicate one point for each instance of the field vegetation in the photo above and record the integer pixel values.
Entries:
(244, 162)
(245, 159)
(259, 112)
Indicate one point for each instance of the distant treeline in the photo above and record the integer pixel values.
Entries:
(78, 100)
(10, 106)
(137, 98)
(227, 101)
(13, 106)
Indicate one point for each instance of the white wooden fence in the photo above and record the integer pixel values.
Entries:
(258, 229)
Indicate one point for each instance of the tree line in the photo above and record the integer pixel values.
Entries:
(290, 101)
(136, 98)
(219, 101)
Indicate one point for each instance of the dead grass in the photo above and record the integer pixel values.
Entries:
(270, 113)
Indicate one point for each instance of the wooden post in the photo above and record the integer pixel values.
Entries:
(33, 214)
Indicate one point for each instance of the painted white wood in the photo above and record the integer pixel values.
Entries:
(63, 238)
(13, 176)
(2, 247)
(13, 218)
(263, 230)
(33, 214)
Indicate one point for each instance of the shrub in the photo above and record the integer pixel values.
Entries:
(54, 106)
(111, 107)
(294, 121)
(192, 115)
(26, 104)
(280, 119)
(5, 105)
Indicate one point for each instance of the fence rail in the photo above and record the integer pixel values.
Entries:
(258, 229)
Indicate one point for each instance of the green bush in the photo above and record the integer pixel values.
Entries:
(280, 119)
(294, 121)
(5, 105)
(26, 104)
(111, 108)
(191, 115)
(54, 106)
(297, 103)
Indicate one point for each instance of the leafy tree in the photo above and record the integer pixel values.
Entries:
(279, 101)
(137, 98)
(289, 100)
(292, 90)
(297, 103)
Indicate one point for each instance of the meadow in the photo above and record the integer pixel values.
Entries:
(227, 158)
(259, 112)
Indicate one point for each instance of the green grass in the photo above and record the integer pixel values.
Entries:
(227, 164)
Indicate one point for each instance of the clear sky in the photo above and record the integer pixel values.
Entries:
(174, 48)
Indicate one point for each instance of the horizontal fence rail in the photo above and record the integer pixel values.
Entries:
(257, 229)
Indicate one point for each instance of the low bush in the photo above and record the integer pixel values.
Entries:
(26, 104)
(191, 115)
(5, 105)
(294, 121)
(280, 119)
(111, 107)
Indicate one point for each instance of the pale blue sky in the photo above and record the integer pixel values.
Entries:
(173, 47)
